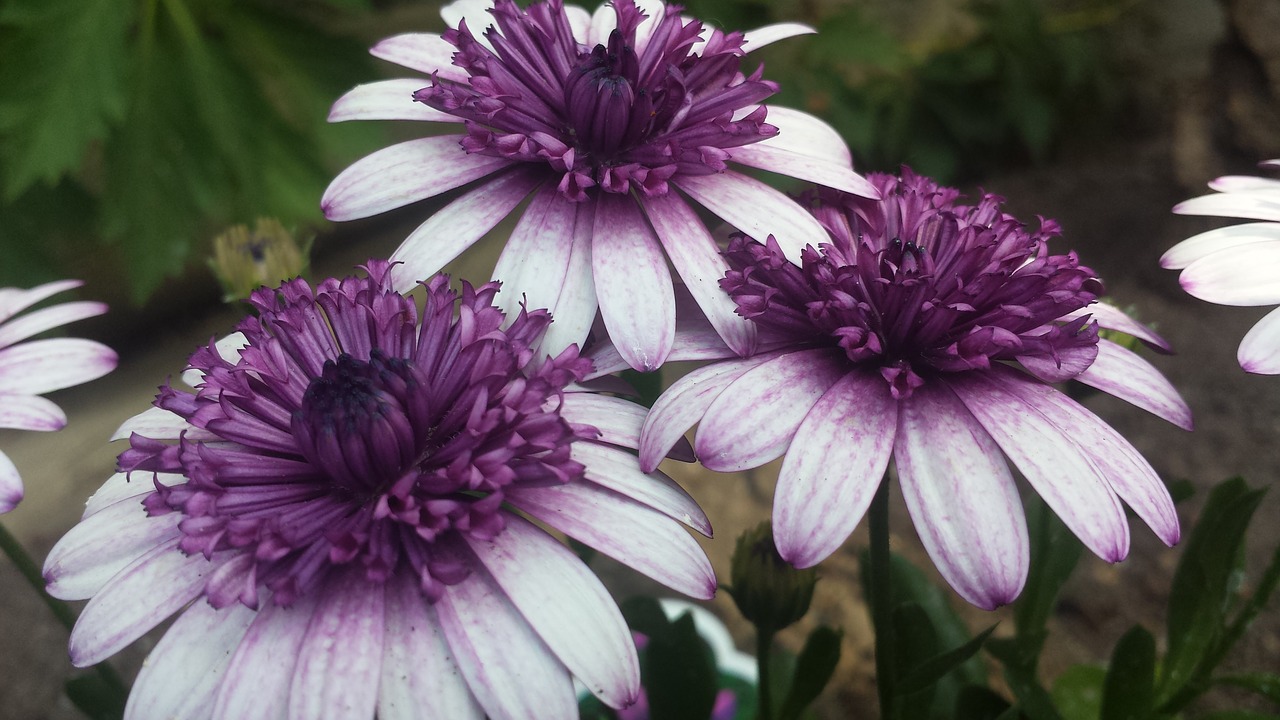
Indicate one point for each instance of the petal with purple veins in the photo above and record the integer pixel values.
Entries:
(387, 100)
(340, 659)
(637, 299)
(756, 209)
(1260, 350)
(1124, 374)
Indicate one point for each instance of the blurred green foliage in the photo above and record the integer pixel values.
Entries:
(130, 130)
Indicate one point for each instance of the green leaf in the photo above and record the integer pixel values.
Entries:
(648, 385)
(1055, 551)
(1129, 691)
(679, 673)
(96, 697)
(814, 667)
(1264, 684)
(1204, 583)
(975, 702)
(1077, 692)
(62, 84)
(933, 669)
(1240, 715)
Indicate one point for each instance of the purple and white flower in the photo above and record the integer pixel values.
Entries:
(926, 332)
(29, 369)
(610, 123)
(341, 516)
(1237, 264)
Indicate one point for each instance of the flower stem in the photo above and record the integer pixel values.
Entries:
(764, 647)
(881, 599)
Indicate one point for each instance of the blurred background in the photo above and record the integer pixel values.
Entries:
(134, 132)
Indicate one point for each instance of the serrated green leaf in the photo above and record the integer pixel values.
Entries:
(814, 667)
(96, 698)
(1077, 692)
(62, 84)
(1265, 684)
(1129, 690)
(1203, 585)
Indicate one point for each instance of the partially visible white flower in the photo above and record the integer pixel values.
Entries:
(1237, 264)
(29, 369)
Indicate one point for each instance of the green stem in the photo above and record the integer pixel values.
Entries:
(882, 599)
(62, 611)
(764, 647)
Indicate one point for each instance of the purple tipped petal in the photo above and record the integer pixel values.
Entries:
(457, 226)
(574, 615)
(753, 420)
(803, 134)
(1244, 183)
(1124, 374)
(1245, 276)
(1256, 204)
(102, 546)
(387, 100)
(257, 678)
(15, 300)
(832, 470)
(1071, 485)
(823, 171)
(30, 412)
(10, 485)
(42, 366)
(618, 471)
(962, 498)
(425, 52)
(1218, 240)
(414, 640)
(32, 324)
(511, 671)
(684, 403)
(121, 486)
(637, 299)
(697, 260)
(1260, 350)
(402, 174)
(197, 647)
(756, 209)
(626, 531)
(617, 420)
(340, 659)
(136, 600)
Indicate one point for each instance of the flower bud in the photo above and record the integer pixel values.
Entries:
(243, 261)
(767, 589)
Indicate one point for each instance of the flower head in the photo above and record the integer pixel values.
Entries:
(337, 503)
(926, 332)
(29, 369)
(1238, 264)
(601, 118)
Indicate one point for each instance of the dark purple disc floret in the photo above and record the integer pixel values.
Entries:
(917, 284)
(352, 432)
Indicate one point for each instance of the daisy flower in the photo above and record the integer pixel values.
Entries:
(342, 517)
(928, 333)
(614, 126)
(29, 369)
(1237, 264)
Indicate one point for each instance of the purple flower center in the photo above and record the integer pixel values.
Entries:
(915, 284)
(629, 114)
(348, 431)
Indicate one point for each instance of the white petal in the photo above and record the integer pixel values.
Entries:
(121, 486)
(457, 226)
(102, 546)
(1260, 350)
(567, 606)
(1121, 465)
(1259, 205)
(387, 100)
(1245, 183)
(833, 468)
(1126, 375)
(684, 403)
(512, 673)
(579, 22)
(690, 343)
(753, 40)
(962, 498)
(1067, 480)
(256, 686)
(181, 676)
(1113, 318)
(425, 52)
(137, 599)
(619, 471)
(637, 299)
(402, 174)
(419, 675)
(340, 659)
(754, 419)
(756, 209)
(627, 531)
(1218, 240)
(1247, 275)
(47, 318)
(160, 424)
(804, 134)
(30, 412)
(42, 366)
(15, 300)
(228, 348)
(10, 485)
(617, 420)
(475, 13)
(823, 171)
(698, 262)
